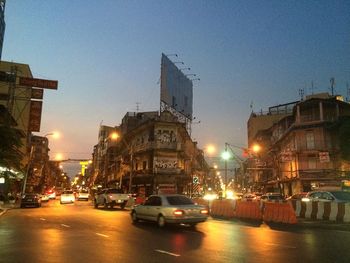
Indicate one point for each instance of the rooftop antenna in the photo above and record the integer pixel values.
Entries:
(138, 106)
(332, 80)
(251, 106)
(301, 94)
(312, 87)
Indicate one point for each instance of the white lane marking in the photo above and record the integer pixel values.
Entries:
(168, 253)
(65, 225)
(42, 219)
(102, 235)
(279, 245)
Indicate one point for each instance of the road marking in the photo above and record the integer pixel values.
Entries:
(42, 219)
(65, 225)
(102, 235)
(279, 245)
(168, 253)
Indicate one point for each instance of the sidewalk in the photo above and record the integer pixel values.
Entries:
(5, 206)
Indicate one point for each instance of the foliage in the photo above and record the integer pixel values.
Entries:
(10, 142)
(344, 138)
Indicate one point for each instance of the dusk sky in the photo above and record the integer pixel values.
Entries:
(106, 57)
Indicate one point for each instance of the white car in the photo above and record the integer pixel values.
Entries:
(44, 198)
(170, 209)
(83, 195)
(67, 196)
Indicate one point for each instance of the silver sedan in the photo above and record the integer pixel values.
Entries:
(170, 209)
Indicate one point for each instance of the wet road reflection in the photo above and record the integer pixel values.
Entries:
(80, 233)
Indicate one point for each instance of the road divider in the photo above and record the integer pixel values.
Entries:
(328, 211)
(248, 210)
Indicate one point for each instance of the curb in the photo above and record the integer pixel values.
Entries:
(302, 223)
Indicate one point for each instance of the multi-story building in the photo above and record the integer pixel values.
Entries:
(16, 100)
(152, 153)
(304, 150)
(39, 164)
(2, 24)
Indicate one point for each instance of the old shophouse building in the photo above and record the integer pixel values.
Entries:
(302, 150)
(149, 153)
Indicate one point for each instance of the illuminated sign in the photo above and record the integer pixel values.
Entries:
(35, 115)
(39, 83)
(37, 94)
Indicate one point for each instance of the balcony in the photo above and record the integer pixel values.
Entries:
(176, 146)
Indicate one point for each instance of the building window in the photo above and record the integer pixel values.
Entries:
(144, 165)
(310, 140)
(312, 162)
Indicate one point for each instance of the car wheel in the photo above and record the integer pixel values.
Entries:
(134, 217)
(105, 205)
(161, 221)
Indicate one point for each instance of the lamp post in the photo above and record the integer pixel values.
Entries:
(226, 156)
(254, 149)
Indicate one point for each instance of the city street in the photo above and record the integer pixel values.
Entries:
(79, 233)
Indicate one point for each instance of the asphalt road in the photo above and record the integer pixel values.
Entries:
(80, 233)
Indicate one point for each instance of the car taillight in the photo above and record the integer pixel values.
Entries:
(178, 212)
(110, 196)
(204, 211)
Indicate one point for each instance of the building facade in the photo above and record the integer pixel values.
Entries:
(151, 153)
(303, 150)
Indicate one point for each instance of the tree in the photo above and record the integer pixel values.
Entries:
(10, 142)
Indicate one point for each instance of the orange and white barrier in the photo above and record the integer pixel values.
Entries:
(248, 210)
(223, 208)
(279, 213)
(331, 211)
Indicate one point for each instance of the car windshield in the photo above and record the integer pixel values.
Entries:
(114, 191)
(345, 196)
(67, 192)
(84, 191)
(179, 200)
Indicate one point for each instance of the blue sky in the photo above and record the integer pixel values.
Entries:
(106, 56)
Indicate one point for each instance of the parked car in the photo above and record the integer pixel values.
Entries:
(327, 196)
(251, 197)
(51, 194)
(298, 196)
(83, 195)
(30, 199)
(44, 198)
(67, 196)
(270, 197)
(170, 209)
(111, 197)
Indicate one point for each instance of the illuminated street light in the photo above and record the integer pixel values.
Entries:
(256, 148)
(211, 149)
(114, 136)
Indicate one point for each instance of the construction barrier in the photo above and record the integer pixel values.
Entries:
(223, 208)
(279, 213)
(248, 210)
(329, 211)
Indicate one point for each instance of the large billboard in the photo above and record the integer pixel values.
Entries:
(176, 90)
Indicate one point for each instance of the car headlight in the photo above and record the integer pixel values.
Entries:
(305, 199)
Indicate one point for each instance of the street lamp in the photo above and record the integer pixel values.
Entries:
(226, 156)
